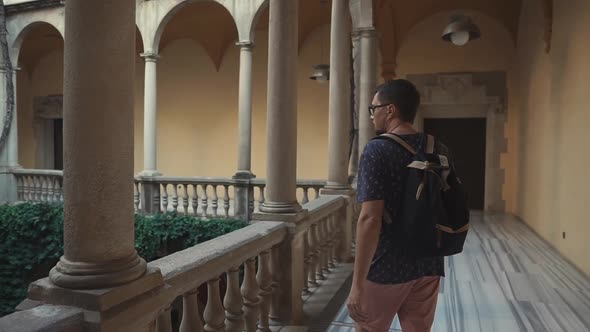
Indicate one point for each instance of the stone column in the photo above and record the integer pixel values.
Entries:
(98, 144)
(150, 126)
(368, 83)
(244, 191)
(356, 66)
(8, 152)
(281, 127)
(245, 111)
(339, 113)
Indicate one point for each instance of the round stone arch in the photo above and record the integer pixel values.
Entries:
(19, 25)
(166, 11)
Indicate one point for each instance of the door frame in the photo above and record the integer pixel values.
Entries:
(46, 109)
(455, 96)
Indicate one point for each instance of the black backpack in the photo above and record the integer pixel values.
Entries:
(433, 216)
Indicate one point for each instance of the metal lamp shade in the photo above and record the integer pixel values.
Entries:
(460, 30)
(321, 73)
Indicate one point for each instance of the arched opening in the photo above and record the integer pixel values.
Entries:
(39, 90)
(197, 92)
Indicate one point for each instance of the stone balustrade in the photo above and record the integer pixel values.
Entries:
(199, 196)
(39, 185)
(245, 273)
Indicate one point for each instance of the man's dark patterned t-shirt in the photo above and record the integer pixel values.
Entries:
(382, 173)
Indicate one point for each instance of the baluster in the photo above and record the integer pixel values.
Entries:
(250, 295)
(41, 192)
(191, 319)
(136, 194)
(325, 246)
(313, 256)
(51, 189)
(35, 188)
(226, 200)
(195, 200)
(19, 188)
(261, 198)
(164, 322)
(317, 192)
(337, 230)
(264, 280)
(185, 199)
(164, 197)
(43, 186)
(234, 316)
(214, 200)
(306, 263)
(332, 247)
(305, 195)
(214, 312)
(319, 252)
(29, 188)
(60, 182)
(175, 198)
(204, 200)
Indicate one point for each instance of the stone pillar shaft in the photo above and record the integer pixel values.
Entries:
(8, 152)
(339, 113)
(98, 144)
(150, 126)
(281, 125)
(356, 66)
(245, 110)
(367, 85)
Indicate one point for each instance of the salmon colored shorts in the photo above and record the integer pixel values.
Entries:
(414, 302)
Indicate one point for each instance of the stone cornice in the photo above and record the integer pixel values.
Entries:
(33, 5)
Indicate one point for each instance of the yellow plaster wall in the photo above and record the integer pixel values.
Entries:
(551, 188)
(198, 109)
(423, 51)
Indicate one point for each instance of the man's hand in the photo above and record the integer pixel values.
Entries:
(354, 305)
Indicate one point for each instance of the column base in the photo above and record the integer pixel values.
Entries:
(149, 173)
(134, 305)
(243, 175)
(280, 207)
(81, 275)
(337, 186)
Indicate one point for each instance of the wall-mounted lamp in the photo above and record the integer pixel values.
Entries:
(321, 73)
(460, 30)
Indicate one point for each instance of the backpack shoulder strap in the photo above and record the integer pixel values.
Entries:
(400, 141)
(429, 144)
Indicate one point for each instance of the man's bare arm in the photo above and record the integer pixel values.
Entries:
(367, 237)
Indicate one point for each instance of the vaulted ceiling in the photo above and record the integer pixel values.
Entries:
(209, 24)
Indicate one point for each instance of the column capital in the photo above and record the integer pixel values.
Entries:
(246, 44)
(150, 56)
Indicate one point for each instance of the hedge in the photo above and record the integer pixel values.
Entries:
(31, 242)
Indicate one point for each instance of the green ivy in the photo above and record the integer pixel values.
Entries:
(31, 242)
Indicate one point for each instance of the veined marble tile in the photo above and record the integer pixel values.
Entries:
(507, 279)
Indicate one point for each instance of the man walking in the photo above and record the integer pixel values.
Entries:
(388, 280)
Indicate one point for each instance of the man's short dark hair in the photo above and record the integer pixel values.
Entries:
(403, 94)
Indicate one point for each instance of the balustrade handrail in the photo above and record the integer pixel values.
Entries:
(42, 172)
(324, 206)
(189, 268)
(185, 180)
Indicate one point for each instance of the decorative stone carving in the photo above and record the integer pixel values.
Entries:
(48, 107)
(463, 95)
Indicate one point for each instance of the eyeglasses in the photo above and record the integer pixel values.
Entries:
(372, 108)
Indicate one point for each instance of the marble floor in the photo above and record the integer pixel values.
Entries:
(507, 279)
